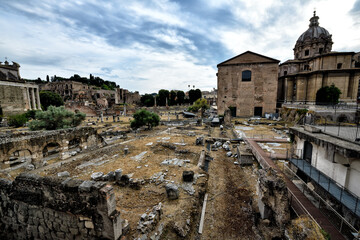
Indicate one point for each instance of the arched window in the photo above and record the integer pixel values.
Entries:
(246, 76)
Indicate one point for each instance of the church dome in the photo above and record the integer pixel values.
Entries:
(314, 31)
(314, 41)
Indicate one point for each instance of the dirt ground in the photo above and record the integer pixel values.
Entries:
(230, 192)
(231, 188)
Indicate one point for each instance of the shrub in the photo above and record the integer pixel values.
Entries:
(328, 95)
(56, 118)
(30, 114)
(143, 118)
(17, 120)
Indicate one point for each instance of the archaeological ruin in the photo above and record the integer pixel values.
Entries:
(16, 95)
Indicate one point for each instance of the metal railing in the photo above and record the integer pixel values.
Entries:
(334, 217)
(343, 195)
(346, 131)
(313, 104)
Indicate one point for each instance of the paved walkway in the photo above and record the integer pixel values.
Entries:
(300, 203)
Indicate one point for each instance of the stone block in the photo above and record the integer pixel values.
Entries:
(63, 174)
(60, 235)
(64, 228)
(56, 226)
(41, 230)
(118, 173)
(172, 191)
(74, 231)
(188, 176)
(108, 194)
(97, 176)
(89, 224)
(36, 221)
(86, 186)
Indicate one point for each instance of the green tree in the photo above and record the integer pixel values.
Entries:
(106, 87)
(145, 118)
(56, 118)
(194, 95)
(328, 95)
(180, 96)
(17, 120)
(50, 99)
(147, 100)
(163, 95)
(201, 103)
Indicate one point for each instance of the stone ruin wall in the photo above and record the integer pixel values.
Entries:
(36, 141)
(34, 207)
(273, 200)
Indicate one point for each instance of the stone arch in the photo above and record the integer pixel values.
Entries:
(342, 118)
(51, 148)
(17, 156)
(75, 143)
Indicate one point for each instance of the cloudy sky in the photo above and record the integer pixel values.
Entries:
(146, 45)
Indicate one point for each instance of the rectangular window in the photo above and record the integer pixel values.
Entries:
(320, 50)
(339, 66)
(306, 52)
(246, 76)
(285, 73)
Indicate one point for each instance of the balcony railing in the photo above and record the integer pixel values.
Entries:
(343, 195)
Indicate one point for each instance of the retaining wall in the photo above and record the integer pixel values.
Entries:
(35, 207)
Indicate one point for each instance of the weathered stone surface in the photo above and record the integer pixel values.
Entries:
(149, 221)
(64, 174)
(36, 142)
(51, 208)
(172, 191)
(273, 198)
(97, 176)
(118, 174)
(260, 90)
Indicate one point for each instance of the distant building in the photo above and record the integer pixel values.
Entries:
(315, 66)
(210, 96)
(90, 99)
(16, 96)
(247, 85)
(68, 90)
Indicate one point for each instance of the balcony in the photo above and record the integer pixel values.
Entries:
(347, 198)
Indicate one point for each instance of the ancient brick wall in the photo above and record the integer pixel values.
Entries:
(34, 207)
(261, 91)
(12, 99)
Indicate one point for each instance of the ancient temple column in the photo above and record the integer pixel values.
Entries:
(38, 98)
(33, 98)
(116, 96)
(28, 97)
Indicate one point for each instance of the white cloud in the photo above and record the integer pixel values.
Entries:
(195, 37)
